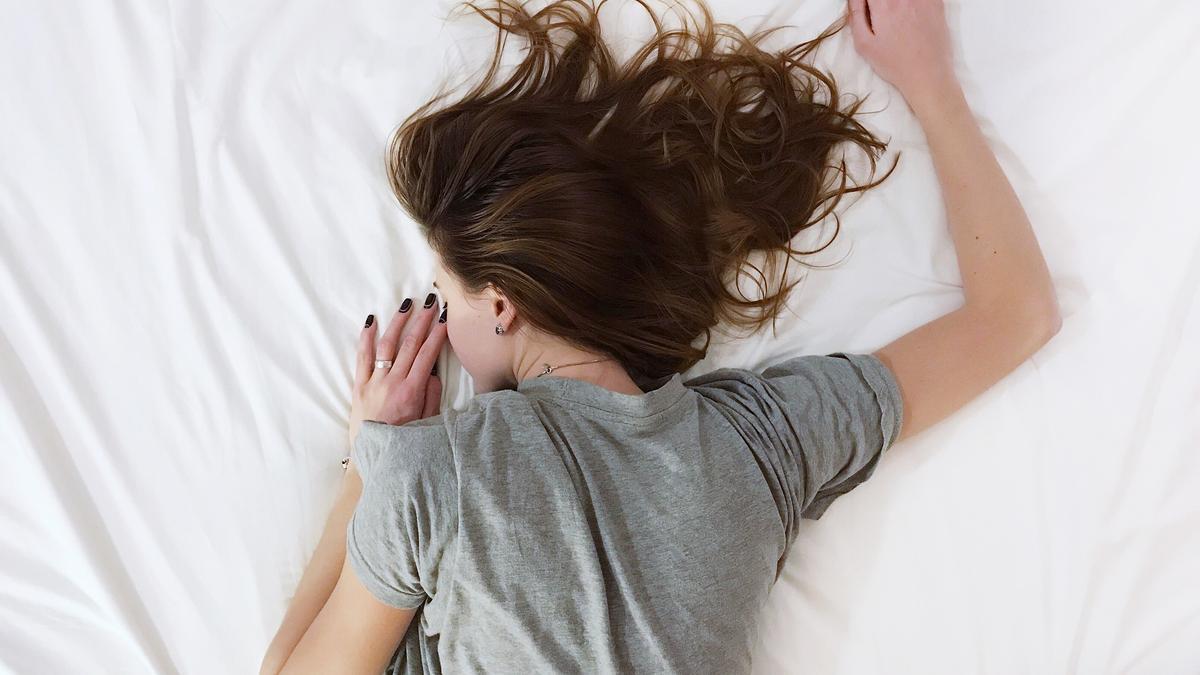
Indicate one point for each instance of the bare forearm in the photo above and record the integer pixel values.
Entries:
(319, 577)
(998, 253)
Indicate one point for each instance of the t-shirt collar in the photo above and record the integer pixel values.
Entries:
(668, 391)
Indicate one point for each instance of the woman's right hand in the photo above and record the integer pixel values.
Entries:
(907, 43)
(409, 389)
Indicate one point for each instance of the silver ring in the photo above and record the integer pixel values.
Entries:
(381, 363)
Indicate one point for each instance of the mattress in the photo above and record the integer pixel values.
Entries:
(194, 222)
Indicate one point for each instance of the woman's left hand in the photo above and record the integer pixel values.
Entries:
(408, 390)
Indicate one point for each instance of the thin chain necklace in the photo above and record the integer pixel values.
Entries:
(548, 368)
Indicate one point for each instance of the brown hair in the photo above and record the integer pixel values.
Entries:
(610, 202)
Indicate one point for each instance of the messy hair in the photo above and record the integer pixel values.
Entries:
(612, 201)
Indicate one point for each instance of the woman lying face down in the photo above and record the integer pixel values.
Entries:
(592, 219)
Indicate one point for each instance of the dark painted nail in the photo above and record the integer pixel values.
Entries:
(406, 304)
(370, 320)
(429, 300)
(442, 318)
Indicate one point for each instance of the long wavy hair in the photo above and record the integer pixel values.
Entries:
(613, 203)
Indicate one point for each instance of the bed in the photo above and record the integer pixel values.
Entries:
(194, 222)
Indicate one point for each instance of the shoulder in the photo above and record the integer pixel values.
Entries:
(393, 452)
(492, 418)
(819, 373)
(836, 364)
(832, 389)
(433, 443)
(407, 512)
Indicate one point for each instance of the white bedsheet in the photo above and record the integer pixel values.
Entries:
(194, 223)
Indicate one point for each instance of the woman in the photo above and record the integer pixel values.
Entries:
(590, 511)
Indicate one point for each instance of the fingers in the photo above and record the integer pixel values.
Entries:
(387, 344)
(366, 353)
(414, 342)
(433, 397)
(427, 356)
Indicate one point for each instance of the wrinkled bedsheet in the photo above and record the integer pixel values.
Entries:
(194, 222)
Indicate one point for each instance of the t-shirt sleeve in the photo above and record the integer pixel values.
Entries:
(818, 424)
(406, 516)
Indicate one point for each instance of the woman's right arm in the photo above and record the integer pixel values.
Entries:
(1010, 309)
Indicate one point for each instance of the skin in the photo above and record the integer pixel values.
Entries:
(1010, 310)
(500, 361)
(334, 625)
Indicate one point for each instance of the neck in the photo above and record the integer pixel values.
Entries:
(608, 373)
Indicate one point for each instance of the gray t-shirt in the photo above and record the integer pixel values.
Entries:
(563, 527)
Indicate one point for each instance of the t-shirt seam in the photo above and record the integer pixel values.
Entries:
(723, 413)
(369, 577)
(373, 468)
(893, 386)
(869, 373)
(885, 388)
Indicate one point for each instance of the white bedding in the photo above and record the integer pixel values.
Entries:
(194, 223)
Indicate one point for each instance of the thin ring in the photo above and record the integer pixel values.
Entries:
(383, 363)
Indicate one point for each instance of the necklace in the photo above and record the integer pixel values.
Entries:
(549, 367)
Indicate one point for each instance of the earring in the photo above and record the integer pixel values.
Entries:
(499, 330)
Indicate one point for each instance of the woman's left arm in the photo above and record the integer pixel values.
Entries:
(335, 624)
(319, 578)
(333, 616)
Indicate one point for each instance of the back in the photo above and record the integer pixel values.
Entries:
(564, 527)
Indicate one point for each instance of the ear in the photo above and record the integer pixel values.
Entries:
(504, 312)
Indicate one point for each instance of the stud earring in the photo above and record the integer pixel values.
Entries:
(499, 330)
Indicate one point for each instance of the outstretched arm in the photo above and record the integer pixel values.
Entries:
(1010, 309)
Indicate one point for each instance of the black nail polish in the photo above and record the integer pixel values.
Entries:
(429, 300)
(442, 318)
(406, 304)
(370, 320)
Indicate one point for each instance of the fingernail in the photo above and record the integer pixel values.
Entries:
(442, 318)
(406, 304)
(370, 320)
(429, 300)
